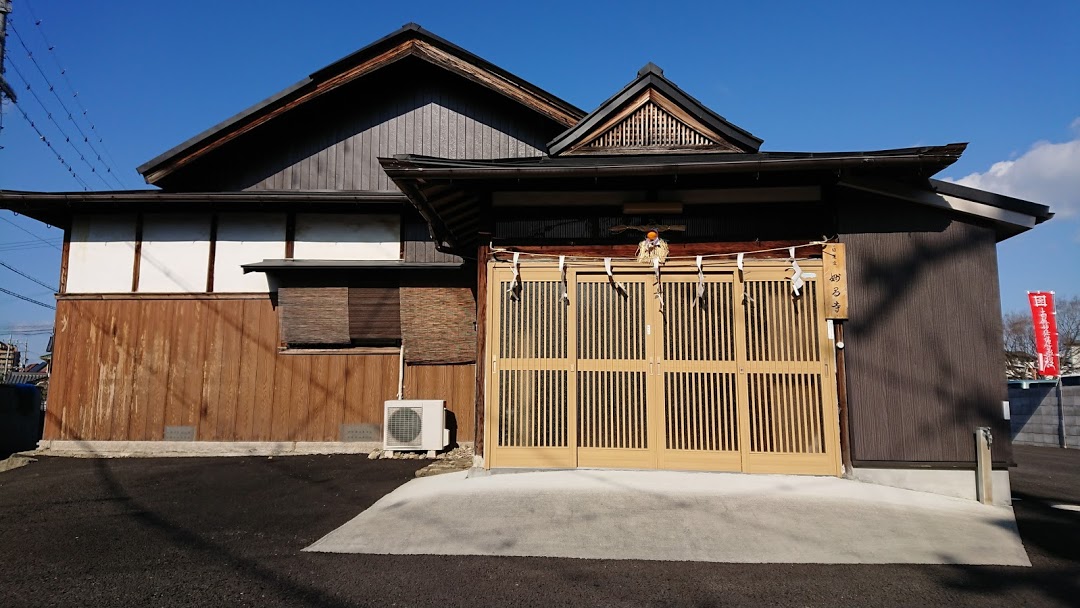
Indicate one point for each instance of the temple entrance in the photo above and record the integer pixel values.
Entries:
(727, 371)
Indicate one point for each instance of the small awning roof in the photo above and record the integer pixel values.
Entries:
(57, 208)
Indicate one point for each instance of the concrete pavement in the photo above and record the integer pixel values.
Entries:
(677, 516)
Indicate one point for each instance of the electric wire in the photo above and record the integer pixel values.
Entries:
(67, 80)
(48, 144)
(70, 115)
(26, 276)
(31, 233)
(22, 297)
(52, 119)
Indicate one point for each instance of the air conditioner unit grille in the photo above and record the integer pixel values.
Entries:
(404, 426)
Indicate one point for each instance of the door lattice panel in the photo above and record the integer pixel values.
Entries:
(611, 323)
(611, 411)
(738, 379)
(704, 331)
(785, 413)
(532, 416)
(780, 327)
(700, 412)
(534, 326)
(532, 408)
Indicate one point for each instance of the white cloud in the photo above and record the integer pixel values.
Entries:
(1048, 173)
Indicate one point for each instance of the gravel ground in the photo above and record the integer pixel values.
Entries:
(228, 531)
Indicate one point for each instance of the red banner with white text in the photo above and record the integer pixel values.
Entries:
(1046, 336)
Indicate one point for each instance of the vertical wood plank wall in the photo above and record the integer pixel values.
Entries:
(924, 354)
(336, 143)
(124, 369)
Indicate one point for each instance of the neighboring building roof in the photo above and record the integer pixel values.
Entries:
(651, 85)
(23, 377)
(409, 41)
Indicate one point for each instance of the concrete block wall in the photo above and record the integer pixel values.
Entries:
(1037, 420)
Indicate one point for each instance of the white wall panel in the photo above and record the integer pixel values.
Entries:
(175, 253)
(243, 238)
(101, 257)
(325, 236)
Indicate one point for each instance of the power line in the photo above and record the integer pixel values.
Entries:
(44, 139)
(26, 276)
(71, 88)
(70, 116)
(49, 115)
(31, 233)
(31, 300)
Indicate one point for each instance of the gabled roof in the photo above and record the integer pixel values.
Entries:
(651, 99)
(449, 193)
(409, 41)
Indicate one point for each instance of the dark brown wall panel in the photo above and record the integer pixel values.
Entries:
(925, 364)
(126, 368)
(335, 143)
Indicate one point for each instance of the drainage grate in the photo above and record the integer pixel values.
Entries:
(361, 432)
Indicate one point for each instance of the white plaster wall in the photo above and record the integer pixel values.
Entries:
(101, 257)
(325, 236)
(243, 238)
(175, 253)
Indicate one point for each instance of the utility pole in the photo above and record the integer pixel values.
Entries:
(5, 89)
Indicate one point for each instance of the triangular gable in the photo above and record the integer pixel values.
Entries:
(652, 115)
(409, 41)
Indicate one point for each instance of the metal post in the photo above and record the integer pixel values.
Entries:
(984, 486)
(5, 90)
(1061, 414)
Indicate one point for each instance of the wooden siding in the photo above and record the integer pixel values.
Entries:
(335, 144)
(416, 243)
(453, 383)
(127, 368)
(924, 356)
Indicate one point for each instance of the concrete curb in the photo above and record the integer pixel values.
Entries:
(195, 449)
(180, 449)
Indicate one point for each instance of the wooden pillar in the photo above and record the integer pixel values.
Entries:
(481, 337)
(841, 399)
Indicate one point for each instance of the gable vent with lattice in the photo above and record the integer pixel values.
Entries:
(651, 127)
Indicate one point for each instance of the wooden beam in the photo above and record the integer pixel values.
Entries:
(138, 253)
(290, 234)
(65, 256)
(623, 250)
(481, 344)
(213, 253)
(842, 399)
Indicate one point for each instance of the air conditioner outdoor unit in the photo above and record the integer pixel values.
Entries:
(415, 425)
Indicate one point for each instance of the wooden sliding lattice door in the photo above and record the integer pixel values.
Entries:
(728, 373)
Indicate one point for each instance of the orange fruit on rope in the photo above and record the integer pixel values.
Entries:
(652, 235)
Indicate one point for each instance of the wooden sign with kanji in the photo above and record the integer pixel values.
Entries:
(835, 283)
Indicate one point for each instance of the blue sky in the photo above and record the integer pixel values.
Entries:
(803, 76)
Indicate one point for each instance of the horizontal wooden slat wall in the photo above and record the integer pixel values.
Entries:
(127, 368)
